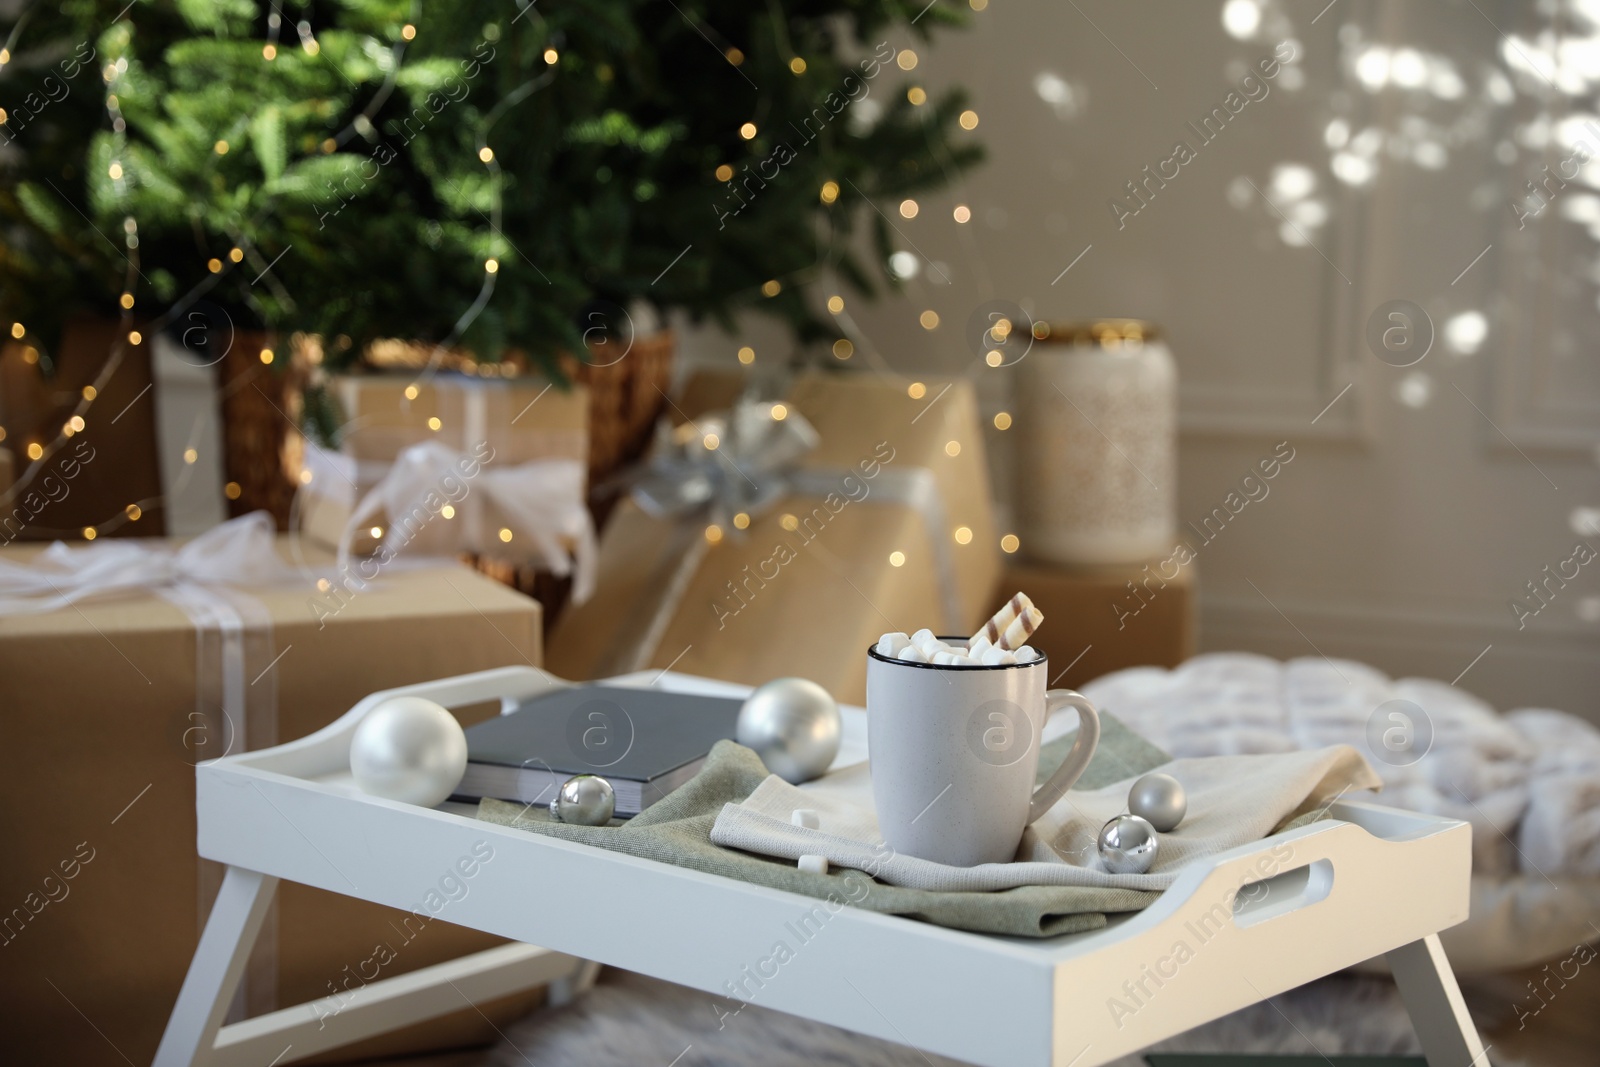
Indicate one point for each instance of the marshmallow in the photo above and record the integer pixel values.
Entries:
(997, 656)
(891, 644)
(806, 817)
(1012, 624)
(814, 864)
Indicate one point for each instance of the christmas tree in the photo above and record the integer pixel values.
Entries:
(488, 176)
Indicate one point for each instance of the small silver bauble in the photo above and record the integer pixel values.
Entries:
(1159, 799)
(584, 800)
(409, 749)
(1128, 845)
(794, 726)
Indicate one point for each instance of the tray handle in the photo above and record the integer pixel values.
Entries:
(329, 747)
(1279, 894)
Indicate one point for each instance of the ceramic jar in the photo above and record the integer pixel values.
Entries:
(1096, 443)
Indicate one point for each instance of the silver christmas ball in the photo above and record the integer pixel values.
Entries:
(584, 800)
(1159, 799)
(794, 726)
(409, 749)
(1128, 845)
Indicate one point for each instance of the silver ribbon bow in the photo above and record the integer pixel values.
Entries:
(725, 463)
(746, 460)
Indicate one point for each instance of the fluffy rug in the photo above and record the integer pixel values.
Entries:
(628, 1020)
(1528, 780)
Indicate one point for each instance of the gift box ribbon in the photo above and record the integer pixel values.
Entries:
(234, 646)
(540, 502)
(747, 460)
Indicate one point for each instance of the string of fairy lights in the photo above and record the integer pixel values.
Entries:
(854, 337)
(40, 453)
(130, 335)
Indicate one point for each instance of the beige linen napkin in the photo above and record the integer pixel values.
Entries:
(1233, 800)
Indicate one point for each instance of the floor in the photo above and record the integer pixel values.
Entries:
(1560, 1027)
(464, 1058)
(1557, 1027)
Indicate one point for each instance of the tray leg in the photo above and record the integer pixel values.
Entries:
(214, 973)
(1428, 986)
(567, 989)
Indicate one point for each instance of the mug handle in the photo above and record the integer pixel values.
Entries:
(1056, 786)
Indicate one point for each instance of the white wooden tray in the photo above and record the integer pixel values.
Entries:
(1233, 930)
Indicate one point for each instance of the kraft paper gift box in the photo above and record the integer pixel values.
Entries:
(103, 896)
(894, 530)
(1103, 619)
(521, 420)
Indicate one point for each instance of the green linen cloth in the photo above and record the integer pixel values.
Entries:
(677, 830)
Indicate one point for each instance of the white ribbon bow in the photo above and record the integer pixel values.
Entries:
(235, 553)
(541, 502)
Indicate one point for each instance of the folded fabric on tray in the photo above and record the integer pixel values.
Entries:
(677, 830)
(1233, 800)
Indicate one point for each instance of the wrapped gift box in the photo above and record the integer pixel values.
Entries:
(893, 531)
(1102, 619)
(522, 420)
(103, 894)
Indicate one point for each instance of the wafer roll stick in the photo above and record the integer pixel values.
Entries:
(1012, 625)
(997, 623)
(1021, 628)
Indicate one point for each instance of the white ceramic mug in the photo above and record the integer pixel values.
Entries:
(954, 751)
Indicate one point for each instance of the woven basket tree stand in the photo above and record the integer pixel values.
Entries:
(259, 405)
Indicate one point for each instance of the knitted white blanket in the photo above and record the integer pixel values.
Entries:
(1528, 781)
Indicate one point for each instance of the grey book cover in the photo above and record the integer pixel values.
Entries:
(646, 742)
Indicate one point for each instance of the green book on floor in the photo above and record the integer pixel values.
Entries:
(1242, 1059)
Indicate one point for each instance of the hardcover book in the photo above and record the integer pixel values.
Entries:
(645, 742)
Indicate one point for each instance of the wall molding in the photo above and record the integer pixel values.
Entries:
(1532, 410)
(1554, 662)
(1239, 410)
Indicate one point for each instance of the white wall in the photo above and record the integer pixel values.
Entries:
(1424, 498)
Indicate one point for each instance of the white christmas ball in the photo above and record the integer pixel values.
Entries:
(794, 725)
(409, 749)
